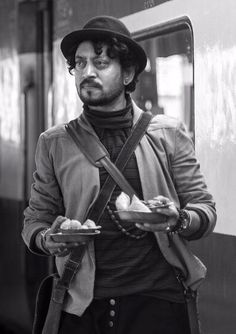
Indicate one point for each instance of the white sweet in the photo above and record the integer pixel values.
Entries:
(75, 224)
(122, 201)
(137, 205)
(70, 224)
(89, 223)
(84, 227)
(65, 225)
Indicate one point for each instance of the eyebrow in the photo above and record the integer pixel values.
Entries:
(95, 57)
(78, 57)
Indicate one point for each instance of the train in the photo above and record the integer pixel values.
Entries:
(190, 74)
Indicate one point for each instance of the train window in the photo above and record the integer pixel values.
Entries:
(166, 85)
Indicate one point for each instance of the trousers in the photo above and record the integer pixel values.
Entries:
(128, 315)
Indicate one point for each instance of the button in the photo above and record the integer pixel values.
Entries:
(112, 313)
(112, 301)
(111, 324)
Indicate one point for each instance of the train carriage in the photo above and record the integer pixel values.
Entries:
(190, 74)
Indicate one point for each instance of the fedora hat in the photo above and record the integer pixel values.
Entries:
(101, 27)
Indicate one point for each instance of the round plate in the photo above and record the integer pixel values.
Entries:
(81, 230)
(81, 236)
(141, 217)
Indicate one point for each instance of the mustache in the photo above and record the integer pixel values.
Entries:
(89, 82)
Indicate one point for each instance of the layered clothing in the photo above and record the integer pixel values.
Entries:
(66, 183)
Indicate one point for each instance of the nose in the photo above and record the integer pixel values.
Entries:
(89, 71)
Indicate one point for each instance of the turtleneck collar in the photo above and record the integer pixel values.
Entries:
(110, 119)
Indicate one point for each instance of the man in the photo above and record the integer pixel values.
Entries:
(127, 283)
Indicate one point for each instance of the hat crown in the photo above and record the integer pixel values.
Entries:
(103, 27)
(107, 23)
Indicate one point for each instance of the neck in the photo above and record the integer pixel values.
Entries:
(117, 119)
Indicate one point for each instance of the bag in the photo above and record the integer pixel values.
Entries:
(48, 309)
(51, 295)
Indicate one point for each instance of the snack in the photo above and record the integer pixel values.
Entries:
(137, 205)
(122, 201)
(123, 204)
(72, 230)
(138, 211)
(89, 223)
(156, 203)
(72, 224)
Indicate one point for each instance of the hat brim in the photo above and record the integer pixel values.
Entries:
(72, 40)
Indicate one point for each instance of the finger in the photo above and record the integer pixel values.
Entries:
(59, 247)
(152, 227)
(162, 199)
(163, 210)
(63, 253)
(54, 244)
(72, 245)
(59, 250)
(168, 228)
(56, 247)
(169, 211)
(140, 226)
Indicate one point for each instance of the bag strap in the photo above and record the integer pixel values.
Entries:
(97, 154)
(71, 267)
(192, 308)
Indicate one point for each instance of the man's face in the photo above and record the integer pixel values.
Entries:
(98, 78)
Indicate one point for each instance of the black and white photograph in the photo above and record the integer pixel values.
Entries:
(117, 166)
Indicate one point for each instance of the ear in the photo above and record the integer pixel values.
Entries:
(128, 75)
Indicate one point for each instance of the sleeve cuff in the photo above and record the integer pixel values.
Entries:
(203, 225)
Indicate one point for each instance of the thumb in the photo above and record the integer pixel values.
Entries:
(57, 223)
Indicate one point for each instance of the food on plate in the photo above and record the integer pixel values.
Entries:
(89, 223)
(123, 203)
(137, 205)
(72, 224)
(157, 203)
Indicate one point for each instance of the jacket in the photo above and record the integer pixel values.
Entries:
(66, 183)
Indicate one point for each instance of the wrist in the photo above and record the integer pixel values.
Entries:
(183, 223)
(41, 240)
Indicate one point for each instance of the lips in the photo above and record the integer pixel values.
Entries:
(89, 86)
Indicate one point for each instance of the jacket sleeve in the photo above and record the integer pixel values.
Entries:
(190, 184)
(46, 201)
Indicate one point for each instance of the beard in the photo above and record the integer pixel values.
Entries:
(96, 96)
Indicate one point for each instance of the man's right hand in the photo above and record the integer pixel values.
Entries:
(57, 248)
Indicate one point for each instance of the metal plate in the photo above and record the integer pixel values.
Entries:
(141, 217)
(80, 230)
(81, 236)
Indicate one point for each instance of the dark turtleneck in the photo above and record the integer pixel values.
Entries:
(120, 119)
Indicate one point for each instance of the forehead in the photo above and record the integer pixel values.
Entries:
(86, 48)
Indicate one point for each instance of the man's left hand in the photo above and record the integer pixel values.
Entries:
(171, 213)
